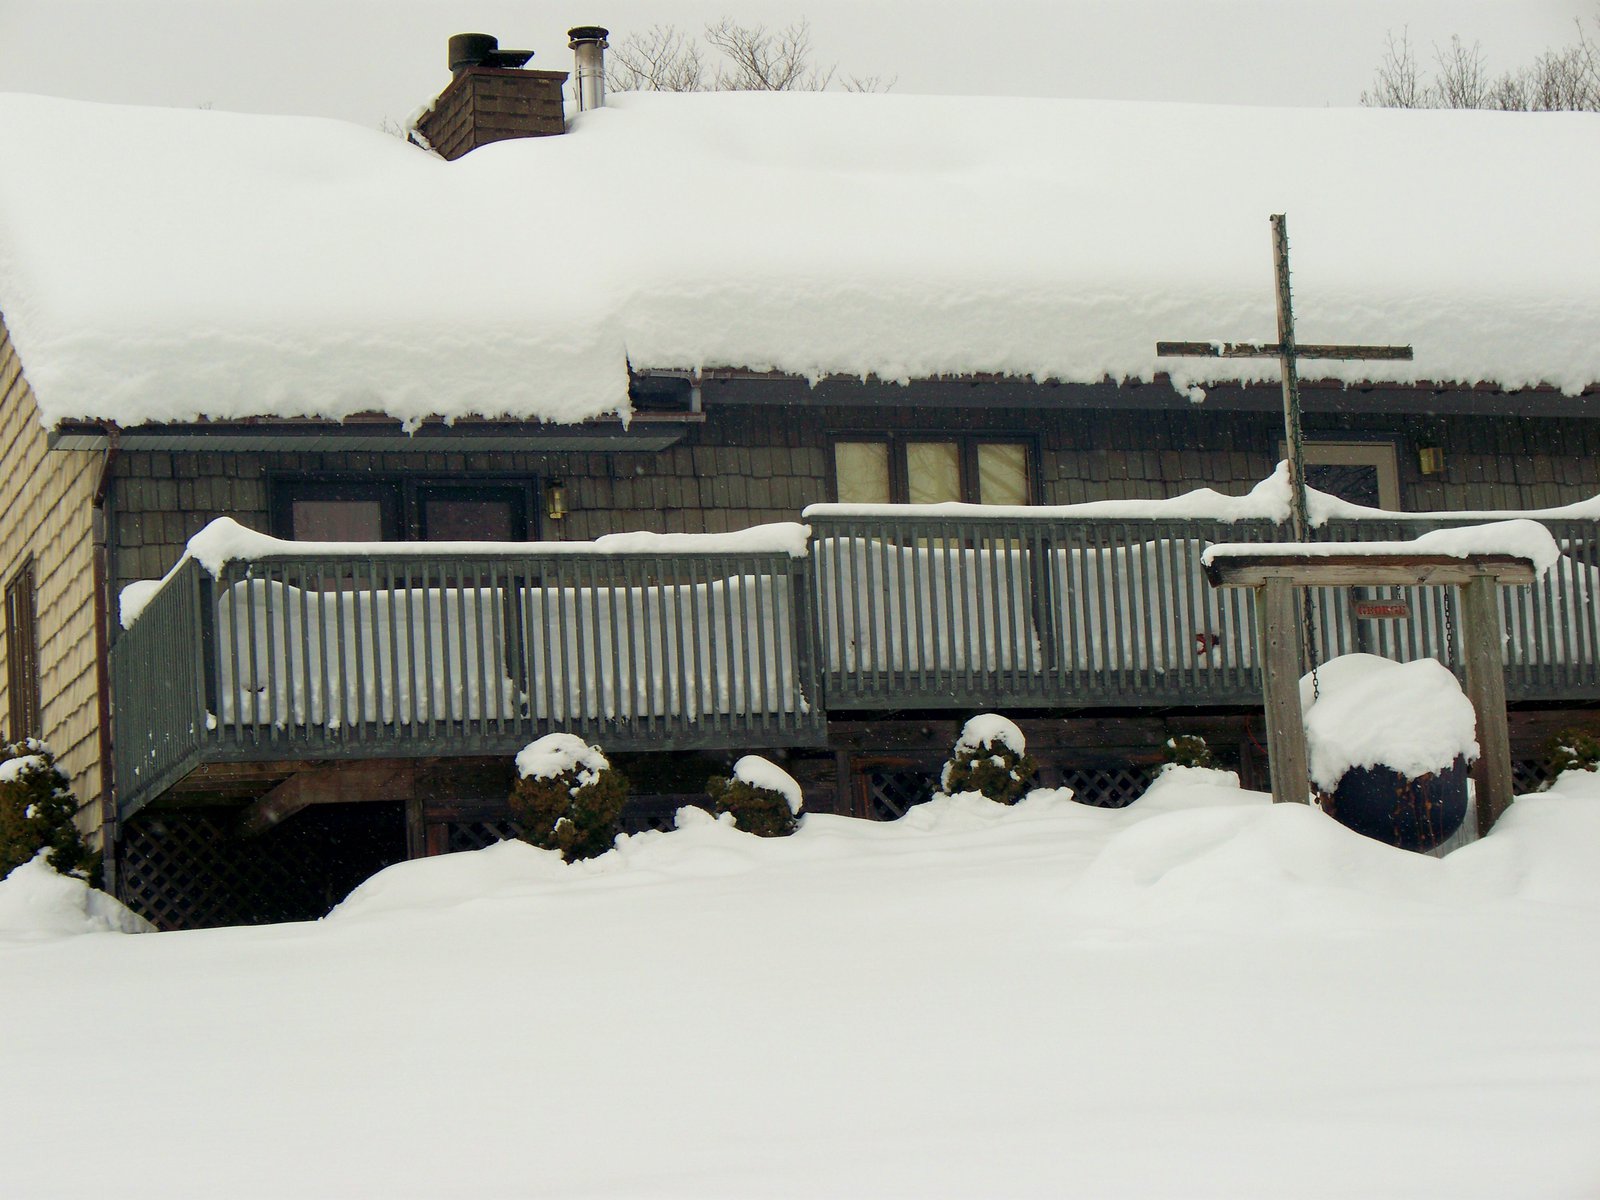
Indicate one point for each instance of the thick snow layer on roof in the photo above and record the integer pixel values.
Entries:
(161, 264)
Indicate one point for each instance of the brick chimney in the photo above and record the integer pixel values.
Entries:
(491, 97)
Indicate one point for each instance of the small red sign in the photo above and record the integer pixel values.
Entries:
(1383, 610)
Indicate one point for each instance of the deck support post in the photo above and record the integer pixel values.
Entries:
(1486, 688)
(1278, 616)
(416, 828)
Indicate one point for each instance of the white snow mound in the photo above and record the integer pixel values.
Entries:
(37, 901)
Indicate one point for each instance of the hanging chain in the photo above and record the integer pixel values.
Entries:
(1309, 634)
(1450, 628)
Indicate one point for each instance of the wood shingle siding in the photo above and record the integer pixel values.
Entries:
(47, 499)
(749, 464)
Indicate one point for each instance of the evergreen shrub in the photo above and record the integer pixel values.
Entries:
(36, 811)
(991, 756)
(567, 797)
(763, 798)
(1188, 750)
(1572, 750)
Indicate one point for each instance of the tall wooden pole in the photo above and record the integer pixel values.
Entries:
(1482, 635)
(1292, 438)
(1278, 629)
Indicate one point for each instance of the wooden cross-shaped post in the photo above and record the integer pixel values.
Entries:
(1288, 353)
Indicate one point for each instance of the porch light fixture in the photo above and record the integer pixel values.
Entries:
(555, 500)
(1430, 459)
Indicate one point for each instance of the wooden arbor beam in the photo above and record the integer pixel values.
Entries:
(1275, 350)
(1254, 566)
(333, 783)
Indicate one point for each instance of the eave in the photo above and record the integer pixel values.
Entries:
(647, 432)
(1424, 398)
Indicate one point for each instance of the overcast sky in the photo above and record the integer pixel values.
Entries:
(375, 60)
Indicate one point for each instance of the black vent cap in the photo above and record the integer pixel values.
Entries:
(482, 50)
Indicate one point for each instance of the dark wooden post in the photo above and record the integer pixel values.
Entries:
(1486, 688)
(1294, 441)
(1278, 619)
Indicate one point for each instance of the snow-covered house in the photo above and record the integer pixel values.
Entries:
(709, 315)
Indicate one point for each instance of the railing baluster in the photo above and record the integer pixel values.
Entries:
(690, 602)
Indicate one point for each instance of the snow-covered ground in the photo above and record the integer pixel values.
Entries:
(1201, 995)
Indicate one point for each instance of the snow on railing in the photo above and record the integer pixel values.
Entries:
(270, 646)
(335, 649)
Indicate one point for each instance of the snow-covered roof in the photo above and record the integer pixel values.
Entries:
(164, 265)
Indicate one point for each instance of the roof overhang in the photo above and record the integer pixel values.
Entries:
(645, 433)
(733, 387)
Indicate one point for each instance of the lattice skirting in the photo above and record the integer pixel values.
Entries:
(187, 869)
(884, 791)
(1529, 774)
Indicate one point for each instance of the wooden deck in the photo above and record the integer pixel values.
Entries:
(296, 656)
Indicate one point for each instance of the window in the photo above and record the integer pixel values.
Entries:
(340, 512)
(387, 510)
(893, 469)
(472, 514)
(22, 654)
(1360, 472)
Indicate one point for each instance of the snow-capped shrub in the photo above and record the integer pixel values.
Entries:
(1572, 750)
(991, 757)
(1188, 750)
(567, 797)
(36, 810)
(763, 798)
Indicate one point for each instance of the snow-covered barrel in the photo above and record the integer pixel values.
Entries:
(1389, 744)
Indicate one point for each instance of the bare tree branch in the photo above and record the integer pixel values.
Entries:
(1567, 78)
(1462, 81)
(662, 59)
(759, 60)
(747, 58)
(1397, 83)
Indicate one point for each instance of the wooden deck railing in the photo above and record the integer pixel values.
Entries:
(963, 611)
(1008, 611)
(326, 656)
(306, 656)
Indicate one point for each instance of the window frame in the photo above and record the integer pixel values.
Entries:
(403, 496)
(968, 443)
(1381, 455)
(23, 693)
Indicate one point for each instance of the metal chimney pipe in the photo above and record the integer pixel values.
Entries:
(588, 44)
